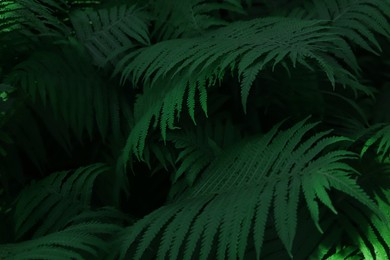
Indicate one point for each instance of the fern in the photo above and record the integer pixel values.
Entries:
(206, 83)
(189, 17)
(251, 46)
(367, 234)
(8, 20)
(108, 31)
(57, 199)
(356, 20)
(261, 173)
(80, 241)
(33, 16)
(379, 138)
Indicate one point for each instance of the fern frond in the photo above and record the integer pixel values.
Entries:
(80, 241)
(356, 20)
(251, 46)
(189, 17)
(264, 172)
(380, 138)
(34, 16)
(110, 30)
(52, 201)
(367, 234)
(8, 19)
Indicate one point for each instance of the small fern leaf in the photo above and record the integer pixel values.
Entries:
(380, 138)
(342, 182)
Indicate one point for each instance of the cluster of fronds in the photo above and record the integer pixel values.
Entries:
(194, 129)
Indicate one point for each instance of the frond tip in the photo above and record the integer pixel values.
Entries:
(380, 137)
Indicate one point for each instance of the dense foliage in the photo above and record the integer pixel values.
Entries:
(190, 129)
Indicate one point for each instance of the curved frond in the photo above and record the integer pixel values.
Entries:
(380, 138)
(79, 241)
(32, 16)
(175, 19)
(174, 67)
(367, 234)
(8, 19)
(53, 201)
(356, 20)
(110, 30)
(238, 190)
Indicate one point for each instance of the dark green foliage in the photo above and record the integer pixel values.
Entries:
(57, 198)
(233, 129)
(79, 241)
(261, 174)
(57, 213)
(106, 31)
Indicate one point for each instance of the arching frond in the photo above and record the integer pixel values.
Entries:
(177, 67)
(367, 234)
(80, 241)
(239, 189)
(380, 138)
(356, 20)
(106, 32)
(55, 199)
(86, 235)
(32, 16)
(175, 19)
(8, 18)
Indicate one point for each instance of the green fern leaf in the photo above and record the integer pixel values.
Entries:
(106, 30)
(379, 138)
(32, 17)
(56, 199)
(74, 242)
(368, 234)
(189, 17)
(261, 168)
(252, 45)
(356, 20)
